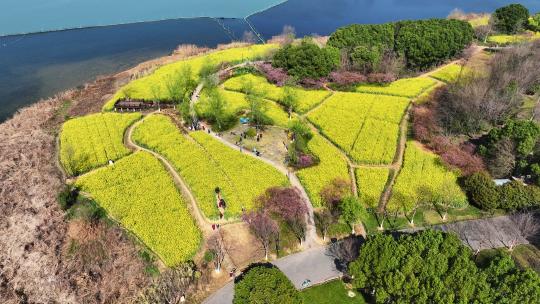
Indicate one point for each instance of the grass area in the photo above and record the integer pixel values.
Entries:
(91, 141)
(449, 73)
(237, 103)
(139, 193)
(371, 184)
(307, 99)
(330, 293)
(513, 39)
(205, 163)
(406, 87)
(153, 86)
(423, 172)
(365, 126)
(332, 165)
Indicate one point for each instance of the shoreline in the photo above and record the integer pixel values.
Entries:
(83, 27)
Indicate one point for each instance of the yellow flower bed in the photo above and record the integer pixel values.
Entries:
(449, 73)
(513, 39)
(91, 141)
(142, 88)
(204, 164)
(138, 192)
(366, 126)
(422, 171)
(371, 183)
(406, 87)
(332, 165)
(307, 99)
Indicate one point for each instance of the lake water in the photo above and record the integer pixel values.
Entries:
(39, 65)
(48, 15)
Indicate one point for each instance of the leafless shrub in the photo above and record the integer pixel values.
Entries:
(249, 37)
(527, 223)
(189, 50)
(345, 251)
(286, 37)
(173, 286)
(477, 101)
(347, 77)
(231, 45)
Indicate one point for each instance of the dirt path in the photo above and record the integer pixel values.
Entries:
(398, 162)
(203, 223)
(312, 240)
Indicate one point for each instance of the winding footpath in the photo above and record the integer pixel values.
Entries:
(312, 240)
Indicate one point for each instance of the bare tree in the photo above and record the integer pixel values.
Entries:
(249, 37)
(345, 251)
(503, 160)
(527, 223)
(323, 219)
(263, 227)
(172, 286)
(217, 245)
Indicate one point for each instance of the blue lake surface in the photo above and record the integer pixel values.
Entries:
(48, 15)
(38, 65)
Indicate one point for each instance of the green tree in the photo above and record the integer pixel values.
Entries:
(534, 23)
(510, 284)
(290, 99)
(511, 19)
(265, 284)
(257, 106)
(424, 43)
(217, 106)
(428, 267)
(482, 191)
(180, 83)
(366, 58)
(354, 35)
(307, 60)
(351, 211)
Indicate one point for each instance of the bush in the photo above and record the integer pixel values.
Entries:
(345, 78)
(277, 76)
(534, 23)
(307, 60)
(366, 58)
(424, 43)
(68, 197)
(516, 196)
(381, 78)
(265, 284)
(512, 196)
(482, 191)
(511, 19)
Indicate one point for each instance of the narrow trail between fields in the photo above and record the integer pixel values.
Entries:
(397, 164)
(204, 224)
(312, 240)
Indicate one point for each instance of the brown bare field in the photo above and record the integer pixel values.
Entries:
(35, 265)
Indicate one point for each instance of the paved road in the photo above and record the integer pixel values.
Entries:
(312, 264)
(487, 233)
